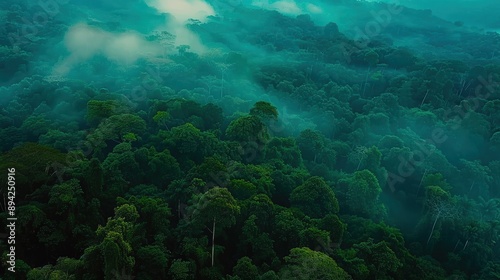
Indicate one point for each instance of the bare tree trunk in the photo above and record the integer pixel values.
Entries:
(213, 242)
(366, 81)
(359, 164)
(423, 100)
(432, 230)
(421, 180)
(222, 85)
(467, 242)
(456, 245)
(179, 209)
(472, 186)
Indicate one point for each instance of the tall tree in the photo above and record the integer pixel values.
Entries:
(217, 207)
(439, 206)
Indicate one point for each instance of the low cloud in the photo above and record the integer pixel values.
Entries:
(84, 42)
(180, 12)
(183, 10)
(288, 7)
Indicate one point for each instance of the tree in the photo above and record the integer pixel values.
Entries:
(152, 261)
(439, 206)
(360, 194)
(311, 144)
(218, 207)
(380, 259)
(36, 125)
(181, 270)
(285, 149)
(162, 118)
(121, 164)
(287, 230)
(371, 58)
(256, 243)
(113, 254)
(34, 164)
(247, 129)
(316, 239)
(93, 179)
(242, 189)
(304, 263)
(358, 155)
(186, 139)
(265, 111)
(315, 198)
(331, 30)
(245, 269)
(475, 178)
(335, 226)
(66, 199)
(258, 175)
(154, 216)
(98, 110)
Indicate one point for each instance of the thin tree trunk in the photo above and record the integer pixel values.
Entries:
(222, 85)
(456, 245)
(423, 100)
(366, 81)
(472, 186)
(213, 242)
(432, 230)
(359, 164)
(467, 242)
(421, 180)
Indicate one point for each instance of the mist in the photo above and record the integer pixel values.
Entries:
(330, 133)
(482, 14)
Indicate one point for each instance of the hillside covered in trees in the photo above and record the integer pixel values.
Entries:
(247, 140)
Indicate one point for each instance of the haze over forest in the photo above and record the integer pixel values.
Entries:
(250, 139)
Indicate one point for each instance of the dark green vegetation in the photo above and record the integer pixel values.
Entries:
(283, 152)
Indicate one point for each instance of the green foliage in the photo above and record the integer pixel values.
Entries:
(379, 258)
(264, 110)
(247, 129)
(284, 149)
(151, 261)
(162, 118)
(311, 143)
(216, 204)
(288, 228)
(315, 198)
(180, 270)
(181, 171)
(35, 125)
(360, 193)
(303, 263)
(34, 164)
(66, 198)
(241, 189)
(245, 269)
(316, 239)
(98, 110)
(334, 226)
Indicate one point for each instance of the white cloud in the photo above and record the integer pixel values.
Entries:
(287, 7)
(183, 10)
(313, 9)
(84, 42)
